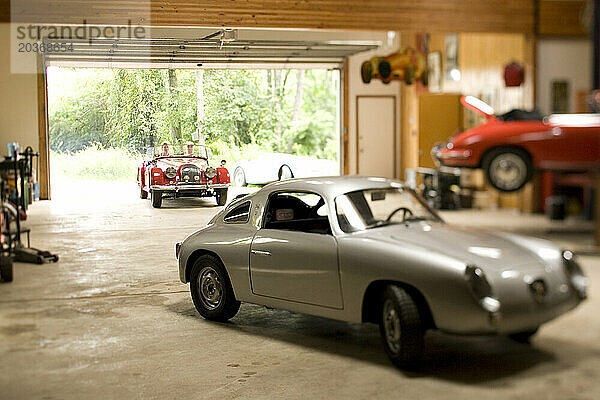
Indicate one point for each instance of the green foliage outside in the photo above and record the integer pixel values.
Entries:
(95, 162)
(118, 114)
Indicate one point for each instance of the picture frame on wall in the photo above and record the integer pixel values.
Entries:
(434, 70)
(560, 96)
(451, 71)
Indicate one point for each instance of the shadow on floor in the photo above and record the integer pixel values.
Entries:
(188, 202)
(467, 360)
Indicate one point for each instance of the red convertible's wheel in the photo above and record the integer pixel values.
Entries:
(156, 198)
(507, 169)
(143, 193)
(211, 289)
(401, 328)
(221, 196)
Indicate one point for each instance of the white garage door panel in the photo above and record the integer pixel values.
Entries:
(376, 130)
(206, 53)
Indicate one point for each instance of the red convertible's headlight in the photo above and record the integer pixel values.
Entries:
(210, 172)
(171, 172)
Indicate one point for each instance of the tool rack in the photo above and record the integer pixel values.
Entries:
(13, 204)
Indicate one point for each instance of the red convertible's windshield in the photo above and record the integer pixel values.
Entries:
(372, 208)
(179, 150)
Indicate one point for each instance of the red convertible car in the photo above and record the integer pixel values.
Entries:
(511, 146)
(173, 173)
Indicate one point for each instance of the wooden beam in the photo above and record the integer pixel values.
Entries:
(409, 118)
(44, 162)
(381, 15)
(345, 120)
(561, 18)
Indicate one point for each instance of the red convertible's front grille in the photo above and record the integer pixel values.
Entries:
(190, 174)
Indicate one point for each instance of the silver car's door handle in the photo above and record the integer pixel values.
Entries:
(260, 252)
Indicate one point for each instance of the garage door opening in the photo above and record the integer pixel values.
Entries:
(267, 123)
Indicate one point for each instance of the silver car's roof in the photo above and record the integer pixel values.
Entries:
(332, 186)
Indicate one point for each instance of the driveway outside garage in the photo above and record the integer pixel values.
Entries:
(112, 320)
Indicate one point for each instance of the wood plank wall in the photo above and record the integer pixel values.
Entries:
(398, 15)
(554, 17)
(562, 17)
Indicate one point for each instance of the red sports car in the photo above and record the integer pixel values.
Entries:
(174, 173)
(511, 146)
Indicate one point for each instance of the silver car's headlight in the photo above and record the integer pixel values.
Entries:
(577, 278)
(171, 172)
(210, 172)
(481, 288)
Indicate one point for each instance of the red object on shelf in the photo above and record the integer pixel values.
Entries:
(514, 74)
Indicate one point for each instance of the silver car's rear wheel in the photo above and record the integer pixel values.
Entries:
(401, 328)
(211, 289)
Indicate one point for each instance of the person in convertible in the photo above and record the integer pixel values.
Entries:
(189, 148)
(164, 149)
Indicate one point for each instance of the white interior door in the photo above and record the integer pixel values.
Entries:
(376, 130)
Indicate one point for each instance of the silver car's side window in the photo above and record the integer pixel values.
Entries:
(297, 211)
(239, 214)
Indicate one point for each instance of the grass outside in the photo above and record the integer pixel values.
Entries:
(96, 163)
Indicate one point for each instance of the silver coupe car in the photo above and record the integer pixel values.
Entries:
(363, 249)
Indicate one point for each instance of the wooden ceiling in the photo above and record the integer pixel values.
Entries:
(381, 15)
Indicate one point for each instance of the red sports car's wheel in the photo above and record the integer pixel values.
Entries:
(143, 193)
(507, 169)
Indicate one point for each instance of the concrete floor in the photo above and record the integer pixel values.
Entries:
(111, 320)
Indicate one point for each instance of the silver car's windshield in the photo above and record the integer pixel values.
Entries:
(372, 208)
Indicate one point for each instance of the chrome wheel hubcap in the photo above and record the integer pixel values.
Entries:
(210, 288)
(508, 171)
(391, 326)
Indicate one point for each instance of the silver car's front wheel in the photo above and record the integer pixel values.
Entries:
(211, 289)
(401, 328)
(392, 328)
